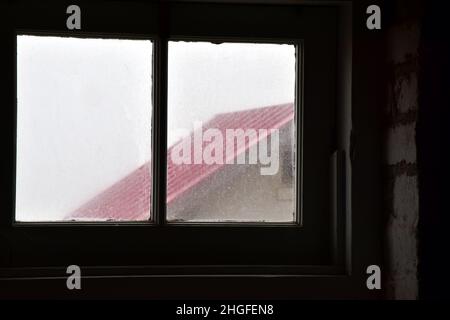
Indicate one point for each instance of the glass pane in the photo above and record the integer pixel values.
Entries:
(231, 132)
(83, 129)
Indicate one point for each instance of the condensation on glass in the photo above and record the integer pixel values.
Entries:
(231, 132)
(83, 129)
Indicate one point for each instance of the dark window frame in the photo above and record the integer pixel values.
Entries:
(298, 118)
(80, 35)
(51, 265)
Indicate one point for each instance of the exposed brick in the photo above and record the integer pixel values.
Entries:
(402, 239)
(401, 182)
(406, 201)
(401, 144)
(392, 172)
(403, 96)
(403, 288)
(402, 168)
(403, 42)
(403, 261)
(406, 93)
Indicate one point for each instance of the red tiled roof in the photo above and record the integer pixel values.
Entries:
(129, 198)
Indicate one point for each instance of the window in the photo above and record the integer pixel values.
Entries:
(84, 109)
(231, 132)
(95, 141)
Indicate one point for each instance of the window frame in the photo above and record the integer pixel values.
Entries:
(95, 231)
(78, 35)
(298, 118)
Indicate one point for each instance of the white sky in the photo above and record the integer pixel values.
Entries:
(84, 108)
(206, 79)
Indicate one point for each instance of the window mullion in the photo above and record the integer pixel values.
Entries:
(160, 132)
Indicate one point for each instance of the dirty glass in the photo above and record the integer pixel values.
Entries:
(231, 132)
(83, 129)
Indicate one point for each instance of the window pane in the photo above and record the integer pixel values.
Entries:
(83, 129)
(231, 132)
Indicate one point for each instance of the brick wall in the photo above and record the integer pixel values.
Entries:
(400, 154)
